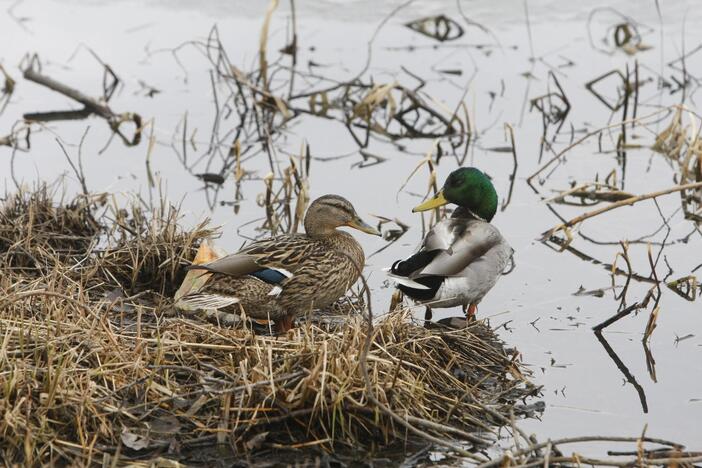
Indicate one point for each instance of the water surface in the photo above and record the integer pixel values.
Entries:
(497, 74)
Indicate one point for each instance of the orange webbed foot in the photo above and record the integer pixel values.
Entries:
(472, 310)
(284, 324)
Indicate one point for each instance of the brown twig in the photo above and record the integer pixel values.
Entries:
(632, 308)
(513, 175)
(587, 136)
(573, 440)
(626, 202)
(90, 106)
(623, 369)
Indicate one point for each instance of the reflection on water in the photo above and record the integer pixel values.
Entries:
(543, 87)
(624, 370)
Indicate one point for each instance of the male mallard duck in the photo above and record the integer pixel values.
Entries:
(462, 257)
(280, 277)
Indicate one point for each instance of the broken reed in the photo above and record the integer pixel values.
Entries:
(645, 451)
(98, 366)
(262, 111)
(285, 205)
(680, 143)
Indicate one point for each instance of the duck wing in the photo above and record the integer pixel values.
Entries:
(271, 260)
(457, 243)
(448, 249)
(464, 256)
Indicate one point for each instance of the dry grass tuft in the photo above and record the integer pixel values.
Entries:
(98, 368)
(34, 231)
(680, 141)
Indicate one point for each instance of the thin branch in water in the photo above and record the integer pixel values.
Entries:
(623, 369)
(513, 176)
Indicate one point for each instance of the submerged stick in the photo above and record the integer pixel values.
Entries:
(616, 317)
(637, 461)
(513, 176)
(573, 440)
(90, 106)
(625, 202)
(623, 369)
(562, 153)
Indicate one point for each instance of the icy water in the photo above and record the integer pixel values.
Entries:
(148, 44)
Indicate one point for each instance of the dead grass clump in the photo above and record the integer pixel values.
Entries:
(147, 251)
(97, 367)
(35, 230)
(680, 142)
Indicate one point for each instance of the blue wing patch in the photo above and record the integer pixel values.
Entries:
(269, 275)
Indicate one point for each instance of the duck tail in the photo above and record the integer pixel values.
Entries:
(413, 264)
(404, 281)
(199, 301)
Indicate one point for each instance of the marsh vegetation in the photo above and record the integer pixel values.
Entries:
(125, 157)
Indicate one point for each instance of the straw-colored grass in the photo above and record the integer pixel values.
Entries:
(97, 367)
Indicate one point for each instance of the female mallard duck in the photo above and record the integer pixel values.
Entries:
(280, 277)
(462, 257)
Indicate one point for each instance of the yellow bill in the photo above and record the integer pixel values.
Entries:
(358, 223)
(432, 203)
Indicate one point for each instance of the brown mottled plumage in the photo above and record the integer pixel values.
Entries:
(281, 277)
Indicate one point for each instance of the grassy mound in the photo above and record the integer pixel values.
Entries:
(97, 366)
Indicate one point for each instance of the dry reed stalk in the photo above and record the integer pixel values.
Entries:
(625, 202)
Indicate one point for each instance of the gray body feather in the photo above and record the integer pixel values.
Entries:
(472, 256)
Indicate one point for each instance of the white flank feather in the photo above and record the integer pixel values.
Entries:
(406, 282)
(205, 301)
(282, 271)
(275, 291)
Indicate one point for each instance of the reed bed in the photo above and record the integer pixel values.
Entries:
(97, 367)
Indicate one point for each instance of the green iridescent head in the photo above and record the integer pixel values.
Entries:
(469, 188)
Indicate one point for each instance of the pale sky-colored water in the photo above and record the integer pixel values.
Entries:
(584, 391)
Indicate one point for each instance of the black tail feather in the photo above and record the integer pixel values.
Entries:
(415, 263)
(432, 282)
